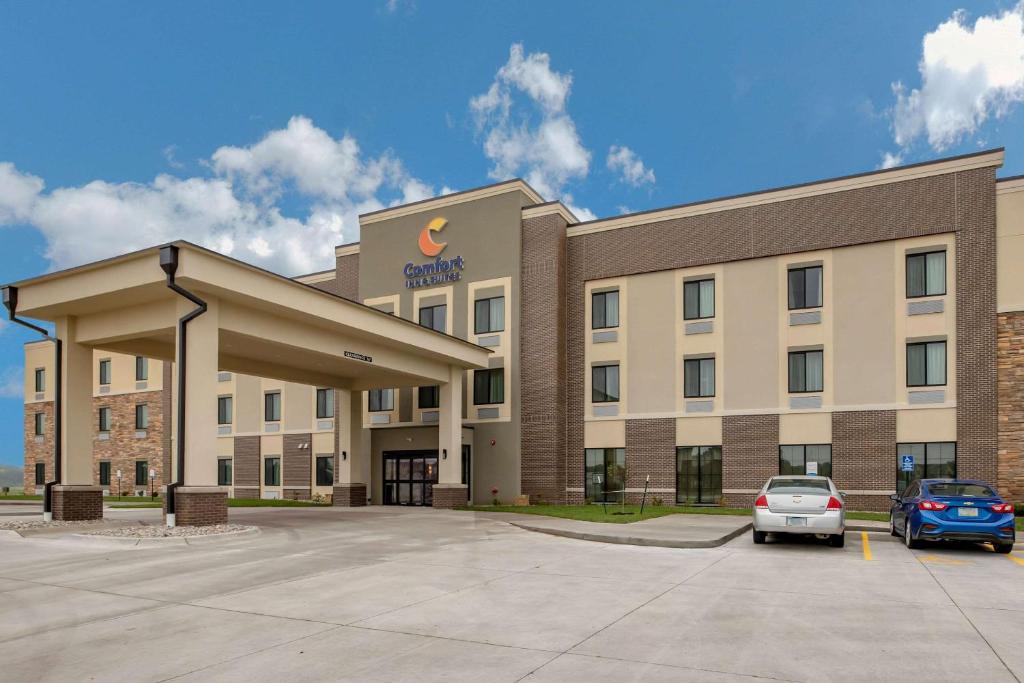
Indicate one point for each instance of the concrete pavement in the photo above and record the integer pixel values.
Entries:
(342, 594)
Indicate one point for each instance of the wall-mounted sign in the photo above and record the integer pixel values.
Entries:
(358, 356)
(906, 463)
(437, 271)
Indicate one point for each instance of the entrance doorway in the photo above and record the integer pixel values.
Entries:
(409, 477)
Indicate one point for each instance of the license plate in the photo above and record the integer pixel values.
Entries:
(796, 521)
(967, 512)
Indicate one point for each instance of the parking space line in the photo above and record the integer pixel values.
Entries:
(1015, 558)
(865, 545)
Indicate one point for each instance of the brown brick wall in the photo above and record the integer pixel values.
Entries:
(346, 283)
(750, 454)
(1010, 477)
(864, 455)
(199, 508)
(123, 449)
(542, 357)
(450, 497)
(350, 495)
(76, 505)
(247, 469)
(651, 450)
(41, 451)
(296, 469)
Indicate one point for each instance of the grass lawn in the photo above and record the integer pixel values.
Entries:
(596, 513)
(233, 503)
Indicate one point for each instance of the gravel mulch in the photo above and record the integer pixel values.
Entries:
(25, 524)
(174, 532)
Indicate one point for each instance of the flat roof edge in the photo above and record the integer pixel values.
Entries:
(512, 185)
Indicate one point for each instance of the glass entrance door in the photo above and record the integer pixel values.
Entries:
(699, 475)
(409, 477)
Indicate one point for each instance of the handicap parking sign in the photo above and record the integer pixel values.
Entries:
(906, 463)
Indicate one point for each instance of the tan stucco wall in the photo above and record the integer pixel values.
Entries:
(931, 424)
(1010, 246)
(751, 361)
(805, 428)
(649, 356)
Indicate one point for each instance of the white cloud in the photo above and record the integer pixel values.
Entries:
(234, 210)
(968, 74)
(890, 159)
(12, 383)
(527, 130)
(170, 156)
(629, 166)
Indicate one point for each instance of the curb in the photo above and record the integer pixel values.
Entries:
(634, 540)
(10, 533)
(168, 540)
(21, 502)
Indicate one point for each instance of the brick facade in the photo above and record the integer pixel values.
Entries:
(542, 357)
(750, 454)
(247, 467)
(864, 456)
(349, 495)
(199, 507)
(124, 448)
(296, 468)
(1010, 476)
(77, 503)
(450, 496)
(651, 451)
(40, 450)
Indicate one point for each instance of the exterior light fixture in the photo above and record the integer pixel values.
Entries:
(444, 453)
(344, 455)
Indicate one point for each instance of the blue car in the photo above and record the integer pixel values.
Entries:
(952, 510)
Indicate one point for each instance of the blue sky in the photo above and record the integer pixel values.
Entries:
(263, 129)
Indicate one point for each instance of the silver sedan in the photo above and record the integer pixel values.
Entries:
(792, 504)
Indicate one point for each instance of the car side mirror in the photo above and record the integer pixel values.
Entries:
(894, 497)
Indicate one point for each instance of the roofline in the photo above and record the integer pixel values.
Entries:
(210, 252)
(547, 208)
(317, 276)
(1009, 178)
(346, 249)
(984, 158)
(452, 198)
(1014, 183)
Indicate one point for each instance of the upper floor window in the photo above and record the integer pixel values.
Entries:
(926, 274)
(926, 364)
(604, 309)
(433, 317)
(489, 386)
(489, 315)
(698, 299)
(806, 371)
(40, 423)
(324, 404)
(381, 400)
(604, 383)
(272, 406)
(141, 369)
(141, 416)
(105, 371)
(40, 379)
(428, 397)
(104, 414)
(698, 377)
(224, 410)
(805, 286)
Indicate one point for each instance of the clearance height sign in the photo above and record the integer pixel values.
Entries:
(435, 272)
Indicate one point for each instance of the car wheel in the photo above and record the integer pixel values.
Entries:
(908, 537)
(838, 540)
(892, 526)
(759, 536)
(1003, 548)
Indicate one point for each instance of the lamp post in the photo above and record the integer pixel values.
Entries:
(119, 484)
(152, 476)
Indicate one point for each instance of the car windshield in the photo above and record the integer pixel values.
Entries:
(807, 486)
(957, 490)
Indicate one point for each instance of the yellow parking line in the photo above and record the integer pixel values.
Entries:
(866, 546)
(1018, 560)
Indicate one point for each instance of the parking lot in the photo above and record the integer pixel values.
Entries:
(341, 594)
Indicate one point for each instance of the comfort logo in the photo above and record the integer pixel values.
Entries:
(427, 244)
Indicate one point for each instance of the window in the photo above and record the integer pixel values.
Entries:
(604, 383)
(433, 317)
(225, 410)
(40, 474)
(104, 473)
(224, 472)
(105, 419)
(698, 377)
(40, 423)
(105, 371)
(272, 407)
(429, 397)
(805, 287)
(141, 472)
(141, 416)
(699, 299)
(324, 404)
(40, 379)
(806, 371)
(272, 471)
(794, 459)
(325, 470)
(141, 369)
(605, 474)
(489, 316)
(604, 310)
(382, 400)
(926, 274)
(699, 475)
(489, 386)
(935, 460)
(926, 364)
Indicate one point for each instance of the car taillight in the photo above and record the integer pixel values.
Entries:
(761, 502)
(1002, 507)
(933, 505)
(834, 504)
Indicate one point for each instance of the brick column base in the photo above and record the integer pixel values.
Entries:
(77, 503)
(199, 506)
(349, 495)
(450, 496)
